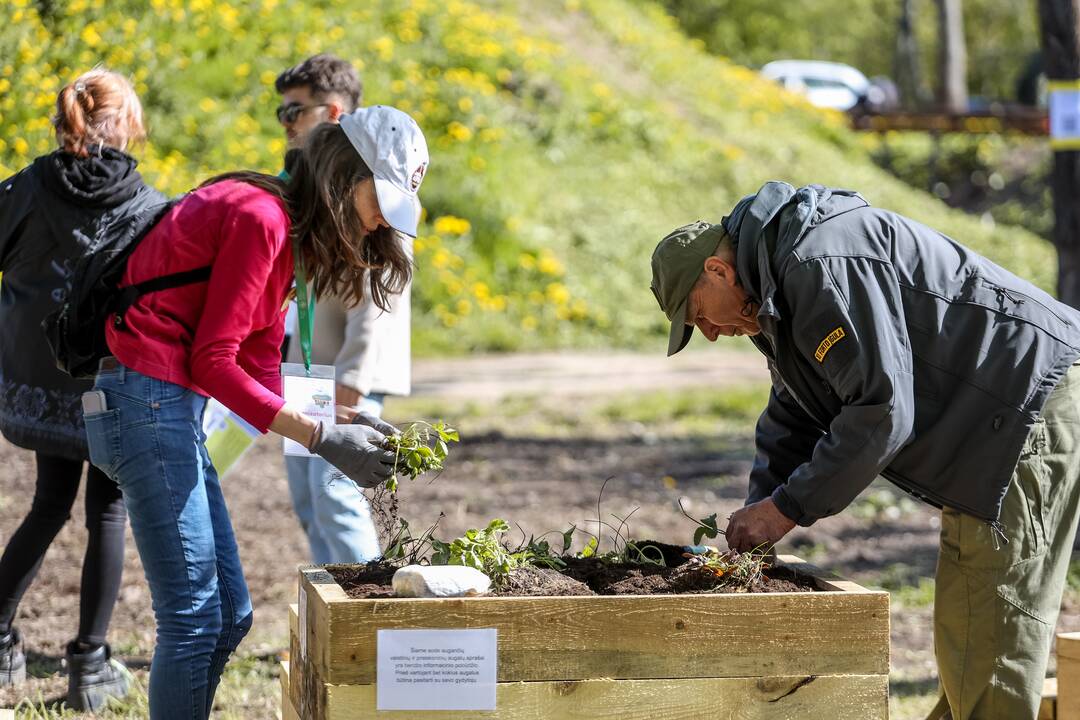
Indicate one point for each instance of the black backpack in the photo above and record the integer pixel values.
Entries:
(76, 332)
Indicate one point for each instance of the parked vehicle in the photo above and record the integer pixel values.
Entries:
(825, 84)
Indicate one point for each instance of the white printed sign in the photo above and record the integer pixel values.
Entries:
(312, 394)
(1064, 110)
(436, 669)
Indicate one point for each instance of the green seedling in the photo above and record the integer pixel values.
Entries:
(406, 548)
(419, 448)
(477, 548)
(706, 526)
(484, 550)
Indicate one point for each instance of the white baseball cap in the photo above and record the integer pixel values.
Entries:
(392, 145)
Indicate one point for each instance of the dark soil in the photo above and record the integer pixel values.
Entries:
(536, 582)
(589, 576)
(372, 580)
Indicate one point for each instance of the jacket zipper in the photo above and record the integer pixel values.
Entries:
(997, 529)
(1020, 298)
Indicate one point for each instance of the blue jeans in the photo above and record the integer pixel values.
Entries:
(150, 441)
(333, 512)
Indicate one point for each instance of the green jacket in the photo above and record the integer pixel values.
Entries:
(894, 350)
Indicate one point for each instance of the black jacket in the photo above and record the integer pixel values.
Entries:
(894, 350)
(51, 213)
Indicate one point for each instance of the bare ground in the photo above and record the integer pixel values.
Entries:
(541, 480)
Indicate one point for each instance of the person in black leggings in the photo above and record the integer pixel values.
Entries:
(57, 485)
(50, 214)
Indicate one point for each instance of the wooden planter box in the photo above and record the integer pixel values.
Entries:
(798, 655)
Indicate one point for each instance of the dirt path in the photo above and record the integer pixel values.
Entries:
(493, 377)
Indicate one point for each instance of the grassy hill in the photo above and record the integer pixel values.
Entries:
(567, 137)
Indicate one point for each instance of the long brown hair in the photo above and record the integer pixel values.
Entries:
(99, 108)
(339, 257)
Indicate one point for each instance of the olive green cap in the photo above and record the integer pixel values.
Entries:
(677, 263)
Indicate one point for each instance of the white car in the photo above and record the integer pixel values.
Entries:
(825, 84)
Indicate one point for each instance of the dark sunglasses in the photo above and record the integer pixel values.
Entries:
(288, 114)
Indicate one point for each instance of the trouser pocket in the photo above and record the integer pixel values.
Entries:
(103, 440)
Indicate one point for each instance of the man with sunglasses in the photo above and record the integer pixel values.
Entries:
(369, 348)
(320, 89)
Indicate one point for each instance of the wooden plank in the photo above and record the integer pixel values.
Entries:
(1048, 706)
(288, 712)
(318, 589)
(622, 637)
(825, 580)
(1027, 121)
(1068, 676)
(834, 697)
(634, 637)
(296, 664)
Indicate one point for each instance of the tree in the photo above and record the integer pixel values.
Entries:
(907, 65)
(1060, 27)
(952, 53)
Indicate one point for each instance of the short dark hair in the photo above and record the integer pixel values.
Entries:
(324, 74)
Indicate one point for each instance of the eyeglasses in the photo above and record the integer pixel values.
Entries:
(288, 114)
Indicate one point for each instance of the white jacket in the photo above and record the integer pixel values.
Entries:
(369, 348)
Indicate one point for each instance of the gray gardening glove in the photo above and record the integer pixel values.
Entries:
(355, 450)
(363, 418)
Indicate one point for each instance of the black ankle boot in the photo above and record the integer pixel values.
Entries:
(93, 676)
(12, 659)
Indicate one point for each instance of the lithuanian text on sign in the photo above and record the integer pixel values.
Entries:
(1064, 109)
(436, 669)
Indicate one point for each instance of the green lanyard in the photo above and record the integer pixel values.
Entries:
(305, 306)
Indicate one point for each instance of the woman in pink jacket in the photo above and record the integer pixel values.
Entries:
(335, 224)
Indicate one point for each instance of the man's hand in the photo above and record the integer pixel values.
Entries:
(755, 525)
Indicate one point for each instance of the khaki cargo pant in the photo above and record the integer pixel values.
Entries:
(996, 605)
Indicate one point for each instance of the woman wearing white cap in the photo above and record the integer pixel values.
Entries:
(351, 192)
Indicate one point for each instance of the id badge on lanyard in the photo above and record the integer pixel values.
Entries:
(309, 388)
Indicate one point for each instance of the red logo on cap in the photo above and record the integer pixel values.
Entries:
(417, 176)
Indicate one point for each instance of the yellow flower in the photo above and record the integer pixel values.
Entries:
(207, 105)
(465, 104)
(384, 46)
(90, 35)
(528, 322)
(450, 225)
(20, 146)
(242, 70)
(458, 131)
(526, 261)
(557, 293)
(548, 264)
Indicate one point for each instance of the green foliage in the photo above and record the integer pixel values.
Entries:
(484, 550)
(406, 548)
(477, 548)
(1000, 36)
(1072, 580)
(567, 137)
(421, 447)
(1001, 178)
(706, 526)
